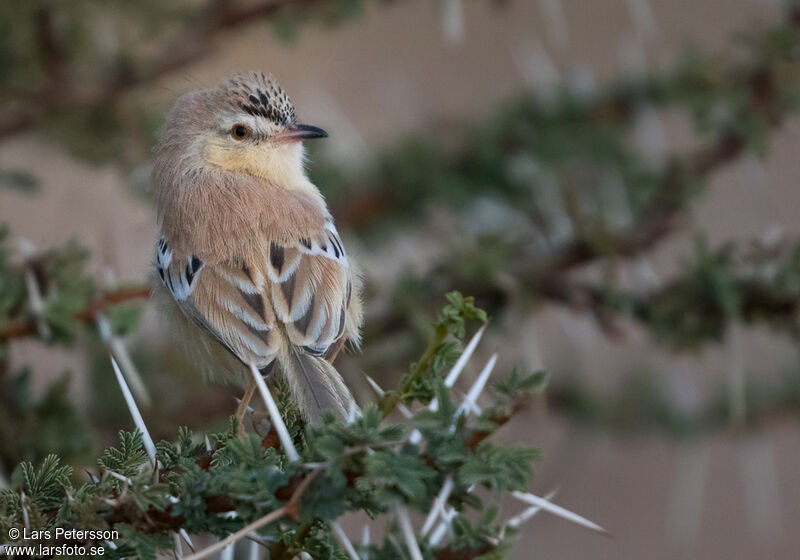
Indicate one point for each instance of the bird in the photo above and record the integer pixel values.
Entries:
(250, 269)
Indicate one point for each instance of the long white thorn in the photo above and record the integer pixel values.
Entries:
(761, 490)
(536, 68)
(35, 300)
(275, 415)
(374, 386)
(444, 527)
(227, 552)
(25, 517)
(408, 532)
(341, 536)
(415, 437)
(564, 513)
(438, 533)
(458, 367)
(365, 536)
(177, 546)
(644, 19)
(555, 21)
(453, 21)
(36, 303)
(438, 505)
(353, 413)
(119, 351)
(477, 387)
(118, 476)
(380, 392)
(185, 536)
(521, 518)
(473, 407)
(135, 414)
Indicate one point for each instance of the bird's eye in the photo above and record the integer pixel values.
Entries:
(240, 131)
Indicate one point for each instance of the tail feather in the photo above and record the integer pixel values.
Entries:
(316, 385)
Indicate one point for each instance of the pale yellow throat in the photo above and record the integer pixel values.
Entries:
(280, 164)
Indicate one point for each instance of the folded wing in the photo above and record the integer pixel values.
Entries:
(295, 295)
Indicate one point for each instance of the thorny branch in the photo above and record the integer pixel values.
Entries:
(25, 327)
(154, 520)
(549, 276)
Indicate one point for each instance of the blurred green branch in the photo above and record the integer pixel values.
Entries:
(56, 55)
(694, 307)
(641, 406)
(23, 326)
(576, 141)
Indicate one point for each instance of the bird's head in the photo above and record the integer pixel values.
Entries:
(246, 124)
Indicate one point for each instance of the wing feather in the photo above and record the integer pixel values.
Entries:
(305, 287)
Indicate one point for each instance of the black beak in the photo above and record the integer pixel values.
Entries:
(303, 132)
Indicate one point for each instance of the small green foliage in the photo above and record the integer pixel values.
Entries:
(390, 477)
(219, 484)
(137, 544)
(12, 287)
(467, 535)
(33, 426)
(124, 318)
(518, 385)
(717, 287)
(318, 542)
(46, 485)
(68, 288)
(498, 468)
(442, 351)
(63, 282)
(127, 459)
(455, 315)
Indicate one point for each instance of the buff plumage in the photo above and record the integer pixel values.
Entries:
(251, 267)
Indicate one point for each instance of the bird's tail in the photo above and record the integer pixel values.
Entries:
(316, 385)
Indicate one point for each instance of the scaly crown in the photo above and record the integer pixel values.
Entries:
(259, 95)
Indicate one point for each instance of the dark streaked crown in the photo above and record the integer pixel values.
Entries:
(259, 95)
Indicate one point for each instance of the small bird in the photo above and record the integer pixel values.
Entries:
(251, 266)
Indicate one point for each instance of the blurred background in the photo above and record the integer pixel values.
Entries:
(614, 181)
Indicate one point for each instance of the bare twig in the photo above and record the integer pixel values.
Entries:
(240, 534)
(290, 509)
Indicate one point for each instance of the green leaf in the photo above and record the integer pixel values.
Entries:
(128, 458)
(499, 468)
(460, 309)
(46, 485)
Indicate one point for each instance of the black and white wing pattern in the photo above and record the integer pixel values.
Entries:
(294, 294)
